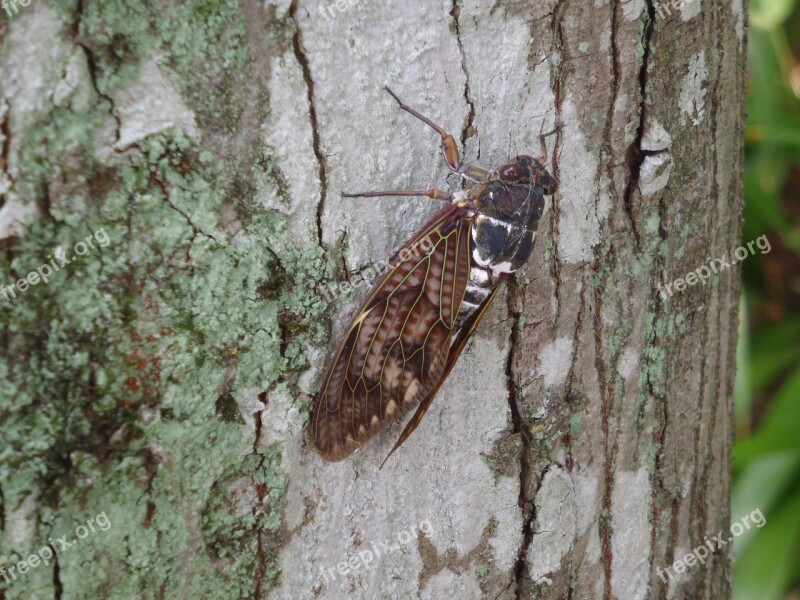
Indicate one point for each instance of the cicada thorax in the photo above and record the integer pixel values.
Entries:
(503, 231)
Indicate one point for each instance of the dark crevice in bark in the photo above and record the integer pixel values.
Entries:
(527, 498)
(556, 62)
(608, 144)
(674, 533)
(527, 495)
(568, 402)
(605, 381)
(635, 155)
(606, 388)
(261, 493)
(58, 586)
(302, 60)
(2, 528)
(91, 61)
(525, 502)
(43, 201)
(468, 130)
(5, 152)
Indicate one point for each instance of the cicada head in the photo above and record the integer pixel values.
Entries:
(525, 170)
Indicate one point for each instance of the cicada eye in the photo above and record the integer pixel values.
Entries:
(510, 173)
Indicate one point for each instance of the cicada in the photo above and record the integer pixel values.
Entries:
(407, 335)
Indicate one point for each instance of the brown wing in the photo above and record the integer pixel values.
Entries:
(457, 347)
(395, 352)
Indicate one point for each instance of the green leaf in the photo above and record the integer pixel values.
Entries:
(769, 14)
(743, 388)
(761, 486)
(765, 570)
(779, 429)
(773, 349)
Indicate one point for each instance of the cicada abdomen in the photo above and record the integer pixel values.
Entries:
(408, 334)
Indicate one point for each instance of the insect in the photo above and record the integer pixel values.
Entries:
(407, 335)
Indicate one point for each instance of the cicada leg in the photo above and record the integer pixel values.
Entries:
(449, 146)
(542, 146)
(431, 193)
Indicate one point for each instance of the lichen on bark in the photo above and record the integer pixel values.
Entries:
(118, 369)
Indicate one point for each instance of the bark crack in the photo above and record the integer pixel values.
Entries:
(195, 229)
(302, 60)
(556, 63)
(606, 389)
(527, 490)
(5, 151)
(58, 586)
(91, 61)
(468, 130)
(635, 154)
(525, 502)
(261, 491)
(568, 393)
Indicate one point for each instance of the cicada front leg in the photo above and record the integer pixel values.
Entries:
(449, 146)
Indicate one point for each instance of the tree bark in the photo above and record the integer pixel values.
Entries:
(582, 443)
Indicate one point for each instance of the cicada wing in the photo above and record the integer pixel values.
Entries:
(395, 351)
(457, 347)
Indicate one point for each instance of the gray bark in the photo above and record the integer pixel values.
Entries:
(581, 444)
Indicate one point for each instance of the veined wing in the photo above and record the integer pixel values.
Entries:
(395, 351)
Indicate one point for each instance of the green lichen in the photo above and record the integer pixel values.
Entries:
(652, 223)
(503, 460)
(137, 339)
(124, 373)
(201, 41)
(481, 571)
(575, 424)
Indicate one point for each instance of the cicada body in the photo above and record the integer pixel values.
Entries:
(407, 335)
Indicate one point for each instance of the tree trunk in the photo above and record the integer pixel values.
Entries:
(582, 443)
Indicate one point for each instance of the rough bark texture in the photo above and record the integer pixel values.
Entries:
(581, 444)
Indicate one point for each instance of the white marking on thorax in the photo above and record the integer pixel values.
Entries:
(480, 260)
(487, 219)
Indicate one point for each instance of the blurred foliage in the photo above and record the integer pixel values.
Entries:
(767, 442)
